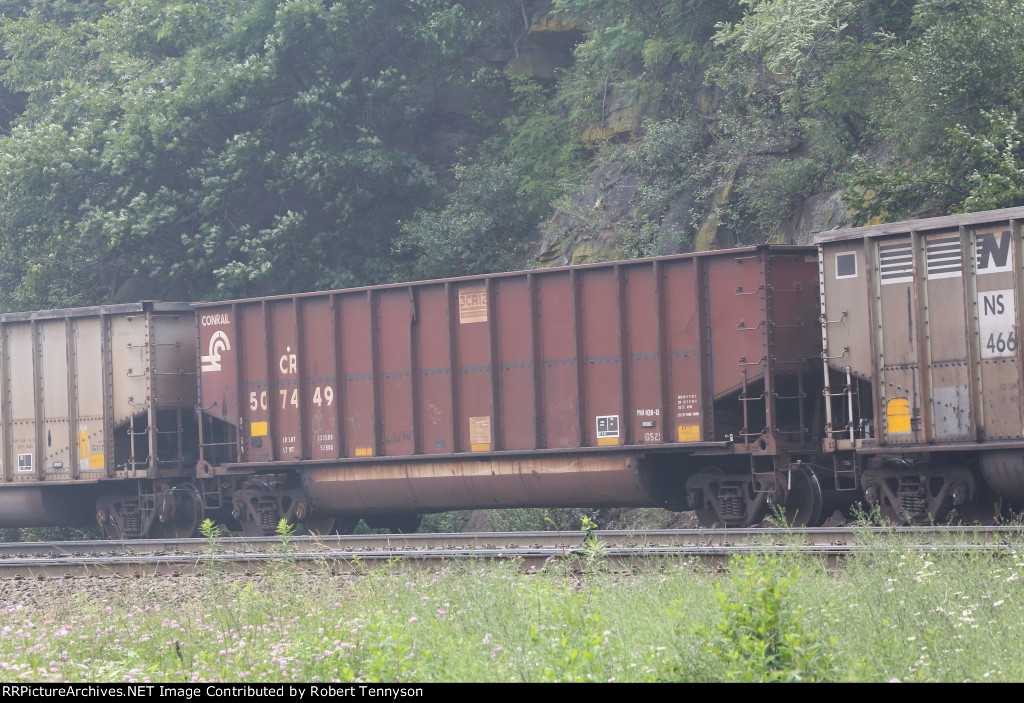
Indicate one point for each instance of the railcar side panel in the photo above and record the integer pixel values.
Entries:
(256, 392)
(89, 376)
(518, 386)
(434, 370)
(646, 420)
(357, 389)
(559, 332)
(735, 291)
(600, 344)
(394, 312)
(848, 274)
(319, 379)
(92, 394)
(471, 345)
(942, 324)
(684, 356)
(996, 301)
(610, 355)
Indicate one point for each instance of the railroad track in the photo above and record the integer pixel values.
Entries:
(348, 553)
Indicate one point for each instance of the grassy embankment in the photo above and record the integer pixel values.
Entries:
(890, 613)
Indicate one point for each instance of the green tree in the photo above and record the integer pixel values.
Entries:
(500, 197)
(220, 148)
(957, 81)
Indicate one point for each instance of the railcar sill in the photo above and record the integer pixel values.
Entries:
(635, 449)
(920, 447)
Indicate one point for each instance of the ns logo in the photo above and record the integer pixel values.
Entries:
(219, 343)
(993, 254)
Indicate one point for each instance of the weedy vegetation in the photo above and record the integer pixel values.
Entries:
(888, 613)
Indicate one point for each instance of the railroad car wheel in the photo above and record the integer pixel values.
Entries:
(319, 524)
(983, 509)
(112, 530)
(804, 501)
(188, 511)
(253, 529)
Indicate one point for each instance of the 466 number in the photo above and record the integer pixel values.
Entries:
(999, 344)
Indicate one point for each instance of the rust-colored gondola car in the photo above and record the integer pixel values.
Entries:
(688, 380)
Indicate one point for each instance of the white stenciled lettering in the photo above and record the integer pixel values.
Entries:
(218, 319)
(289, 362)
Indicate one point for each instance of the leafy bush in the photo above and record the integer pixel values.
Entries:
(760, 636)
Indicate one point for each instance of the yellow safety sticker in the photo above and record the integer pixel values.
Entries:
(688, 433)
(259, 429)
(897, 412)
(480, 447)
(96, 461)
(364, 451)
(607, 441)
(83, 443)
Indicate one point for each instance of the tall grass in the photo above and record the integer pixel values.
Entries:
(887, 614)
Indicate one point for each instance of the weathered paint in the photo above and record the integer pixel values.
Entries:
(927, 312)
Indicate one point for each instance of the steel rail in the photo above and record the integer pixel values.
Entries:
(356, 553)
(510, 540)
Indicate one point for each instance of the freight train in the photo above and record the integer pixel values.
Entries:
(882, 365)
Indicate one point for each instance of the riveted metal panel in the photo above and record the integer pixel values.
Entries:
(685, 354)
(601, 371)
(221, 368)
(944, 355)
(846, 280)
(557, 327)
(471, 337)
(360, 439)
(397, 315)
(93, 393)
(515, 351)
(646, 420)
(997, 304)
(435, 374)
(256, 393)
(319, 395)
(736, 300)
(88, 388)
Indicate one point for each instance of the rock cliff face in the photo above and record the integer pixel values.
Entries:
(596, 222)
(601, 220)
(546, 47)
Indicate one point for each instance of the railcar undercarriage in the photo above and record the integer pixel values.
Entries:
(741, 498)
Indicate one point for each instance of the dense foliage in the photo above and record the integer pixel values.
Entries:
(151, 148)
(218, 148)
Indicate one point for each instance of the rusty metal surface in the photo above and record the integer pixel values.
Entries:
(94, 393)
(592, 356)
(594, 479)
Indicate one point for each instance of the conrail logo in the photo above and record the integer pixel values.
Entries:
(221, 318)
(219, 343)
